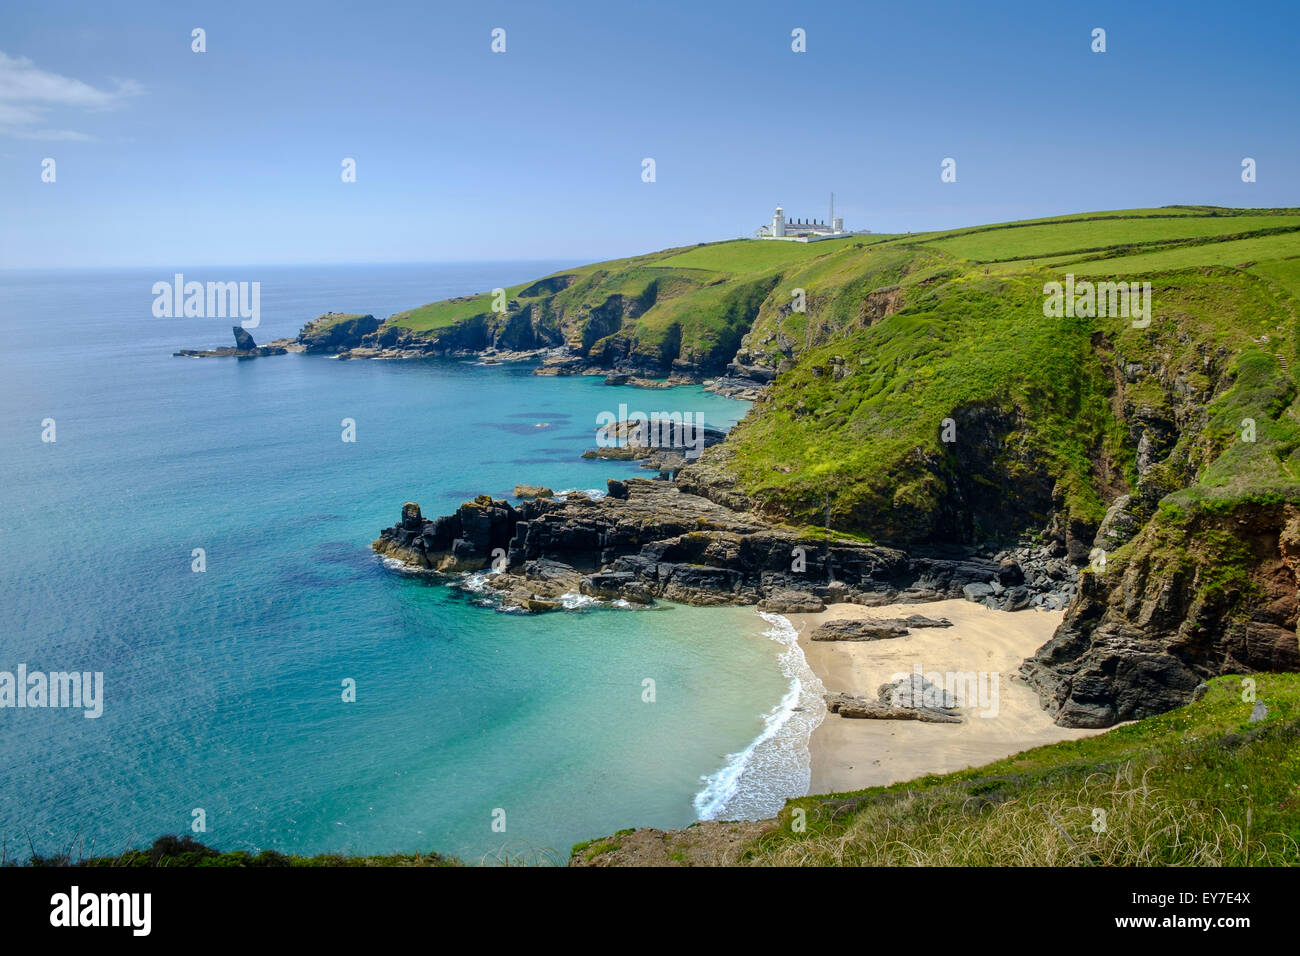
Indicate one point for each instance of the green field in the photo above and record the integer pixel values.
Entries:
(440, 315)
(1048, 239)
(1239, 252)
(743, 256)
(1284, 273)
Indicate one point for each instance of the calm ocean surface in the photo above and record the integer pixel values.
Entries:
(223, 689)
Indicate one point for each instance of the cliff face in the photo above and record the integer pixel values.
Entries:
(334, 332)
(681, 313)
(518, 330)
(1196, 597)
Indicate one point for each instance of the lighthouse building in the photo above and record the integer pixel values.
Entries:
(802, 230)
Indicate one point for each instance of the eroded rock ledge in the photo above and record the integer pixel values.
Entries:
(649, 539)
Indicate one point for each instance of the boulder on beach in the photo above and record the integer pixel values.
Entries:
(858, 631)
(847, 705)
(875, 630)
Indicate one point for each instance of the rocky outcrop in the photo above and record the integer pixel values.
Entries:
(660, 444)
(649, 539)
(735, 386)
(521, 332)
(245, 347)
(858, 631)
(533, 491)
(792, 602)
(1201, 595)
(334, 332)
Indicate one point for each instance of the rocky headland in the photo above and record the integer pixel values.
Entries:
(649, 539)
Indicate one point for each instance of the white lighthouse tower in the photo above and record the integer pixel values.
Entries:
(803, 230)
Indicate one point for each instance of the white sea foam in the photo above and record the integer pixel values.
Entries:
(589, 492)
(393, 564)
(756, 782)
(476, 581)
(571, 600)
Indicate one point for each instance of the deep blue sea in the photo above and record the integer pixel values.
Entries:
(223, 689)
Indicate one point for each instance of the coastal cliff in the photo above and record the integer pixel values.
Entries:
(918, 393)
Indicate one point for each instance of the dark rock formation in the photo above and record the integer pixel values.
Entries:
(911, 697)
(331, 334)
(245, 347)
(733, 386)
(661, 444)
(649, 539)
(792, 602)
(874, 630)
(847, 705)
(857, 631)
(914, 690)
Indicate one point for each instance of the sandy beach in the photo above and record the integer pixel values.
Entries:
(850, 754)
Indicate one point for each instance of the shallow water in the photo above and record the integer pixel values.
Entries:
(223, 689)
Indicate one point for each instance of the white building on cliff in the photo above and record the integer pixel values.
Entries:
(802, 230)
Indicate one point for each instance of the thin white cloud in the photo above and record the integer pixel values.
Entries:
(28, 94)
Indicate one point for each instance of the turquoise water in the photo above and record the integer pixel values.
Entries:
(223, 689)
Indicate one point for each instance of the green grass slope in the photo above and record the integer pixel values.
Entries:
(904, 335)
(1203, 785)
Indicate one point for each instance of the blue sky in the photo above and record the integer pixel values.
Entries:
(168, 157)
